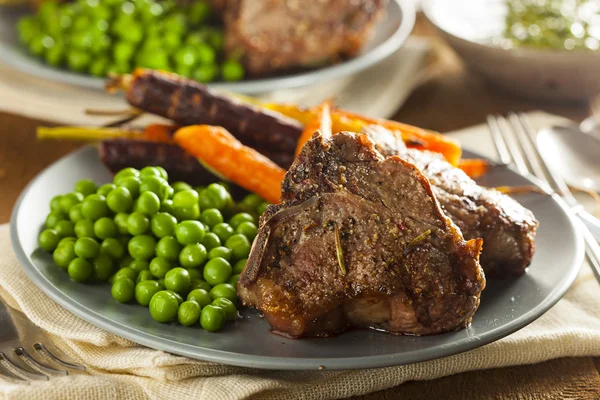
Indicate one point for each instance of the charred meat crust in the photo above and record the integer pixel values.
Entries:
(390, 281)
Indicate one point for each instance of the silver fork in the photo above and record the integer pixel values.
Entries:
(514, 141)
(26, 352)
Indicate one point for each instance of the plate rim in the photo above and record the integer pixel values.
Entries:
(310, 77)
(283, 363)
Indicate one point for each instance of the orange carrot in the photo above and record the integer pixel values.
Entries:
(321, 122)
(415, 137)
(215, 147)
(159, 133)
(474, 167)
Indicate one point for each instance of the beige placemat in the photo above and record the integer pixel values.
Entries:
(120, 369)
(378, 91)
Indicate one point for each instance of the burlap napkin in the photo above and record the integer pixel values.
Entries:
(118, 368)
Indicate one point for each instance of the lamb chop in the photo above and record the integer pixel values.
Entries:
(281, 34)
(359, 240)
(507, 228)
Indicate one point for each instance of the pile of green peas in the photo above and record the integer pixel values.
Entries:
(100, 37)
(175, 249)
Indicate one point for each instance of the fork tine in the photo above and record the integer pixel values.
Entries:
(498, 139)
(7, 376)
(19, 371)
(525, 140)
(38, 366)
(513, 145)
(43, 350)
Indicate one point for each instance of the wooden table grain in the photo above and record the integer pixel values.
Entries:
(450, 98)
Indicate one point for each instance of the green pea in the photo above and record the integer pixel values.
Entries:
(211, 217)
(252, 201)
(84, 228)
(145, 275)
(178, 280)
(239, 266)
(125, 261)
(185, 198)
(185, 57)
(224, 290)
(142, 247)
(232, 70)
(238, 218)
(220, 251)
(125, 272)
(206, 73)
(64, 228)
(239, 245)
(200, 296)
(75, 214)
(262, 208)
(148, 203)
(212, 318)
(201, 284)
(219, 197)
(168, 248)
(86, 187)
(78, 60)
(167, 206)
(102, 267)
(199, 12)
(105, 228)
(186, 213)
(105, 189)
(159, 267)
(227, 306)
(194, 273)
(139, 265)
(216, 39)
(247, 229)
(48, 240)
(177, 295)
(112, 248)
(121, 222)
(205, 55)
(189, 232)
(192, 256)
(131, 183)
(80, 270)
(218, 270)
(145, 290)
(123, 290)
(55, 204)
(210, 241)
(69, 200)
(138, 223)
(99, 66)
(164, 306)
(223, 231)
(64, 254)
(53, 218)
(123, 51)
(188, 313)
(119, 199)
(86, 247)
(179, 186)
(163, 224)
(94, 207)
(126, 172)
(233, 281)
(156, 185)
(69, 239)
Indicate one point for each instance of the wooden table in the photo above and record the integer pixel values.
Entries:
(451, 98)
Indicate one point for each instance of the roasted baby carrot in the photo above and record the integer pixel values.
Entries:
(474, 167)
(321, 122)
(218, 149)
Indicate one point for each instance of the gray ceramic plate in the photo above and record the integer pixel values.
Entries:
(505, 307)
(390, 33)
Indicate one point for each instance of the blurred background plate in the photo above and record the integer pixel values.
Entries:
(469, 27)
(390, 33)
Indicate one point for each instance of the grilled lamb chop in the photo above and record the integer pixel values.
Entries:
(281, 34)
(507, 228)
(360, 240)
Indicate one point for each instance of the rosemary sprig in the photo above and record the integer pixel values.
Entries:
(416, 241)
(338, 250)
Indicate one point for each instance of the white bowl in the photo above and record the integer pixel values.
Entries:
(469, 25)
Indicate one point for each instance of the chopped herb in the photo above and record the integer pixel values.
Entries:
(416, 241)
